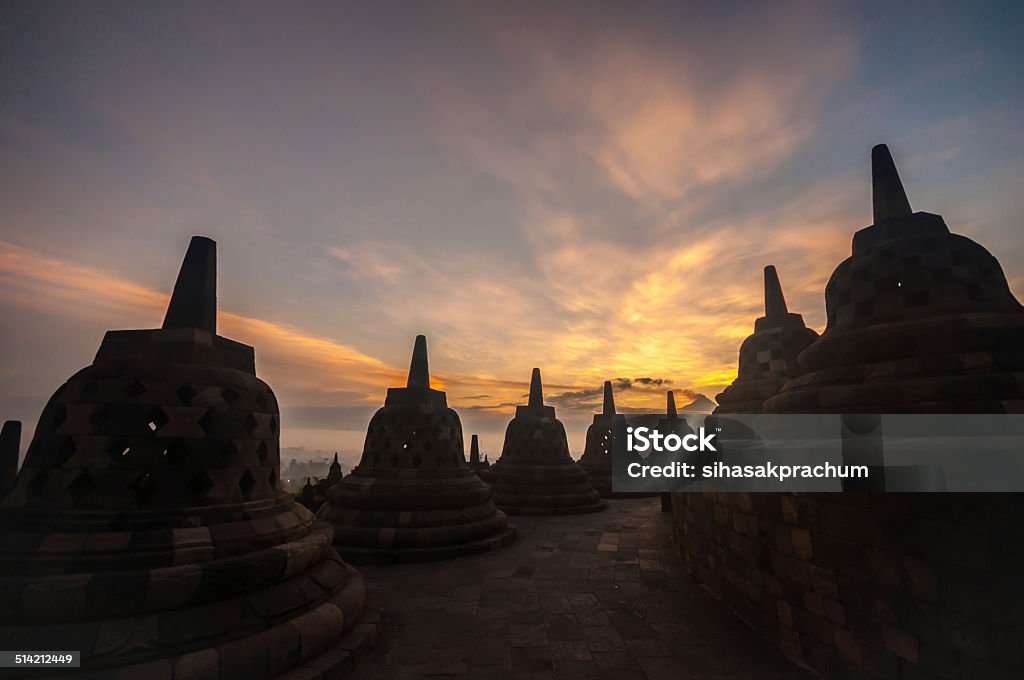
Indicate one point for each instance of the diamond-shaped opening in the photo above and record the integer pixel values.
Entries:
(200, 485)
(134, 390)
(261, 400)
(262, 452)
(273, 425)
(394, 460)
(229, 395)
(417, 460)
(246, 484)
(250, 422)
(157, 419)
(144, 488)
(207, 421)
(82, 486)
(186, 393)
(176, 453)
(272, 479)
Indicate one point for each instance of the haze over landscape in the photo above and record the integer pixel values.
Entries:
(594, 198)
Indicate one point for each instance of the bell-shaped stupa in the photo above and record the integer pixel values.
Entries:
(147, 528)
(768, 357)
(607, 432)
(672, 423)
(413, 496)
(475, 463)
(535, 474)
(919, 320)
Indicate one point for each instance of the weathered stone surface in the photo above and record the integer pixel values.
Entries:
(598, 595)
(535, 474)
(146, 528)
(768, 358)
(413, 497)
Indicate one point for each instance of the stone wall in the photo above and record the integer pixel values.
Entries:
(860, 585)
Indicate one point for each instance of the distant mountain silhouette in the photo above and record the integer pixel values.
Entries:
(699, 405)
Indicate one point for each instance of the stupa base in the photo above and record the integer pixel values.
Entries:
(360, 555)
(552, 510)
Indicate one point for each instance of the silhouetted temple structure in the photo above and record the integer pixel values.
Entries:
(768, 357)
(919, 320)
(886, 585)
(315, 495)
(147, 529)
(475, 463)
(10, 445)
(606, 437)
(413, 496)
(535, 474)
(670, 424)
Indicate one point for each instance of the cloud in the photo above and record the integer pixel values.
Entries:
(296, 363)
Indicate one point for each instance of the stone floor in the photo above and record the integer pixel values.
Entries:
(586, 596)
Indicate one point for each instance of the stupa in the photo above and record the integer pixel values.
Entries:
(413, 496)
(535, 474)
(147, 528)
(10, 444)
(670, 424)
(919, 320)
(768, 357)
(475, 463)
(317, 493)
(606, 439)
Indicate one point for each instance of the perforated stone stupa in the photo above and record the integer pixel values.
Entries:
(147, 528)
(670, 424)
(413, 496)
(919, 320)
(606, 432)
(535, 474)
(768, 357)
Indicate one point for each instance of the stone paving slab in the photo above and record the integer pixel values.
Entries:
(577, 596)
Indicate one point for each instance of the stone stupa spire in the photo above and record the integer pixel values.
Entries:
(536, 390)
(474, 450)
(774, 300)
(193, 302)
(671, 406)
(888, 198)
(609, 400)
(419, 370)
